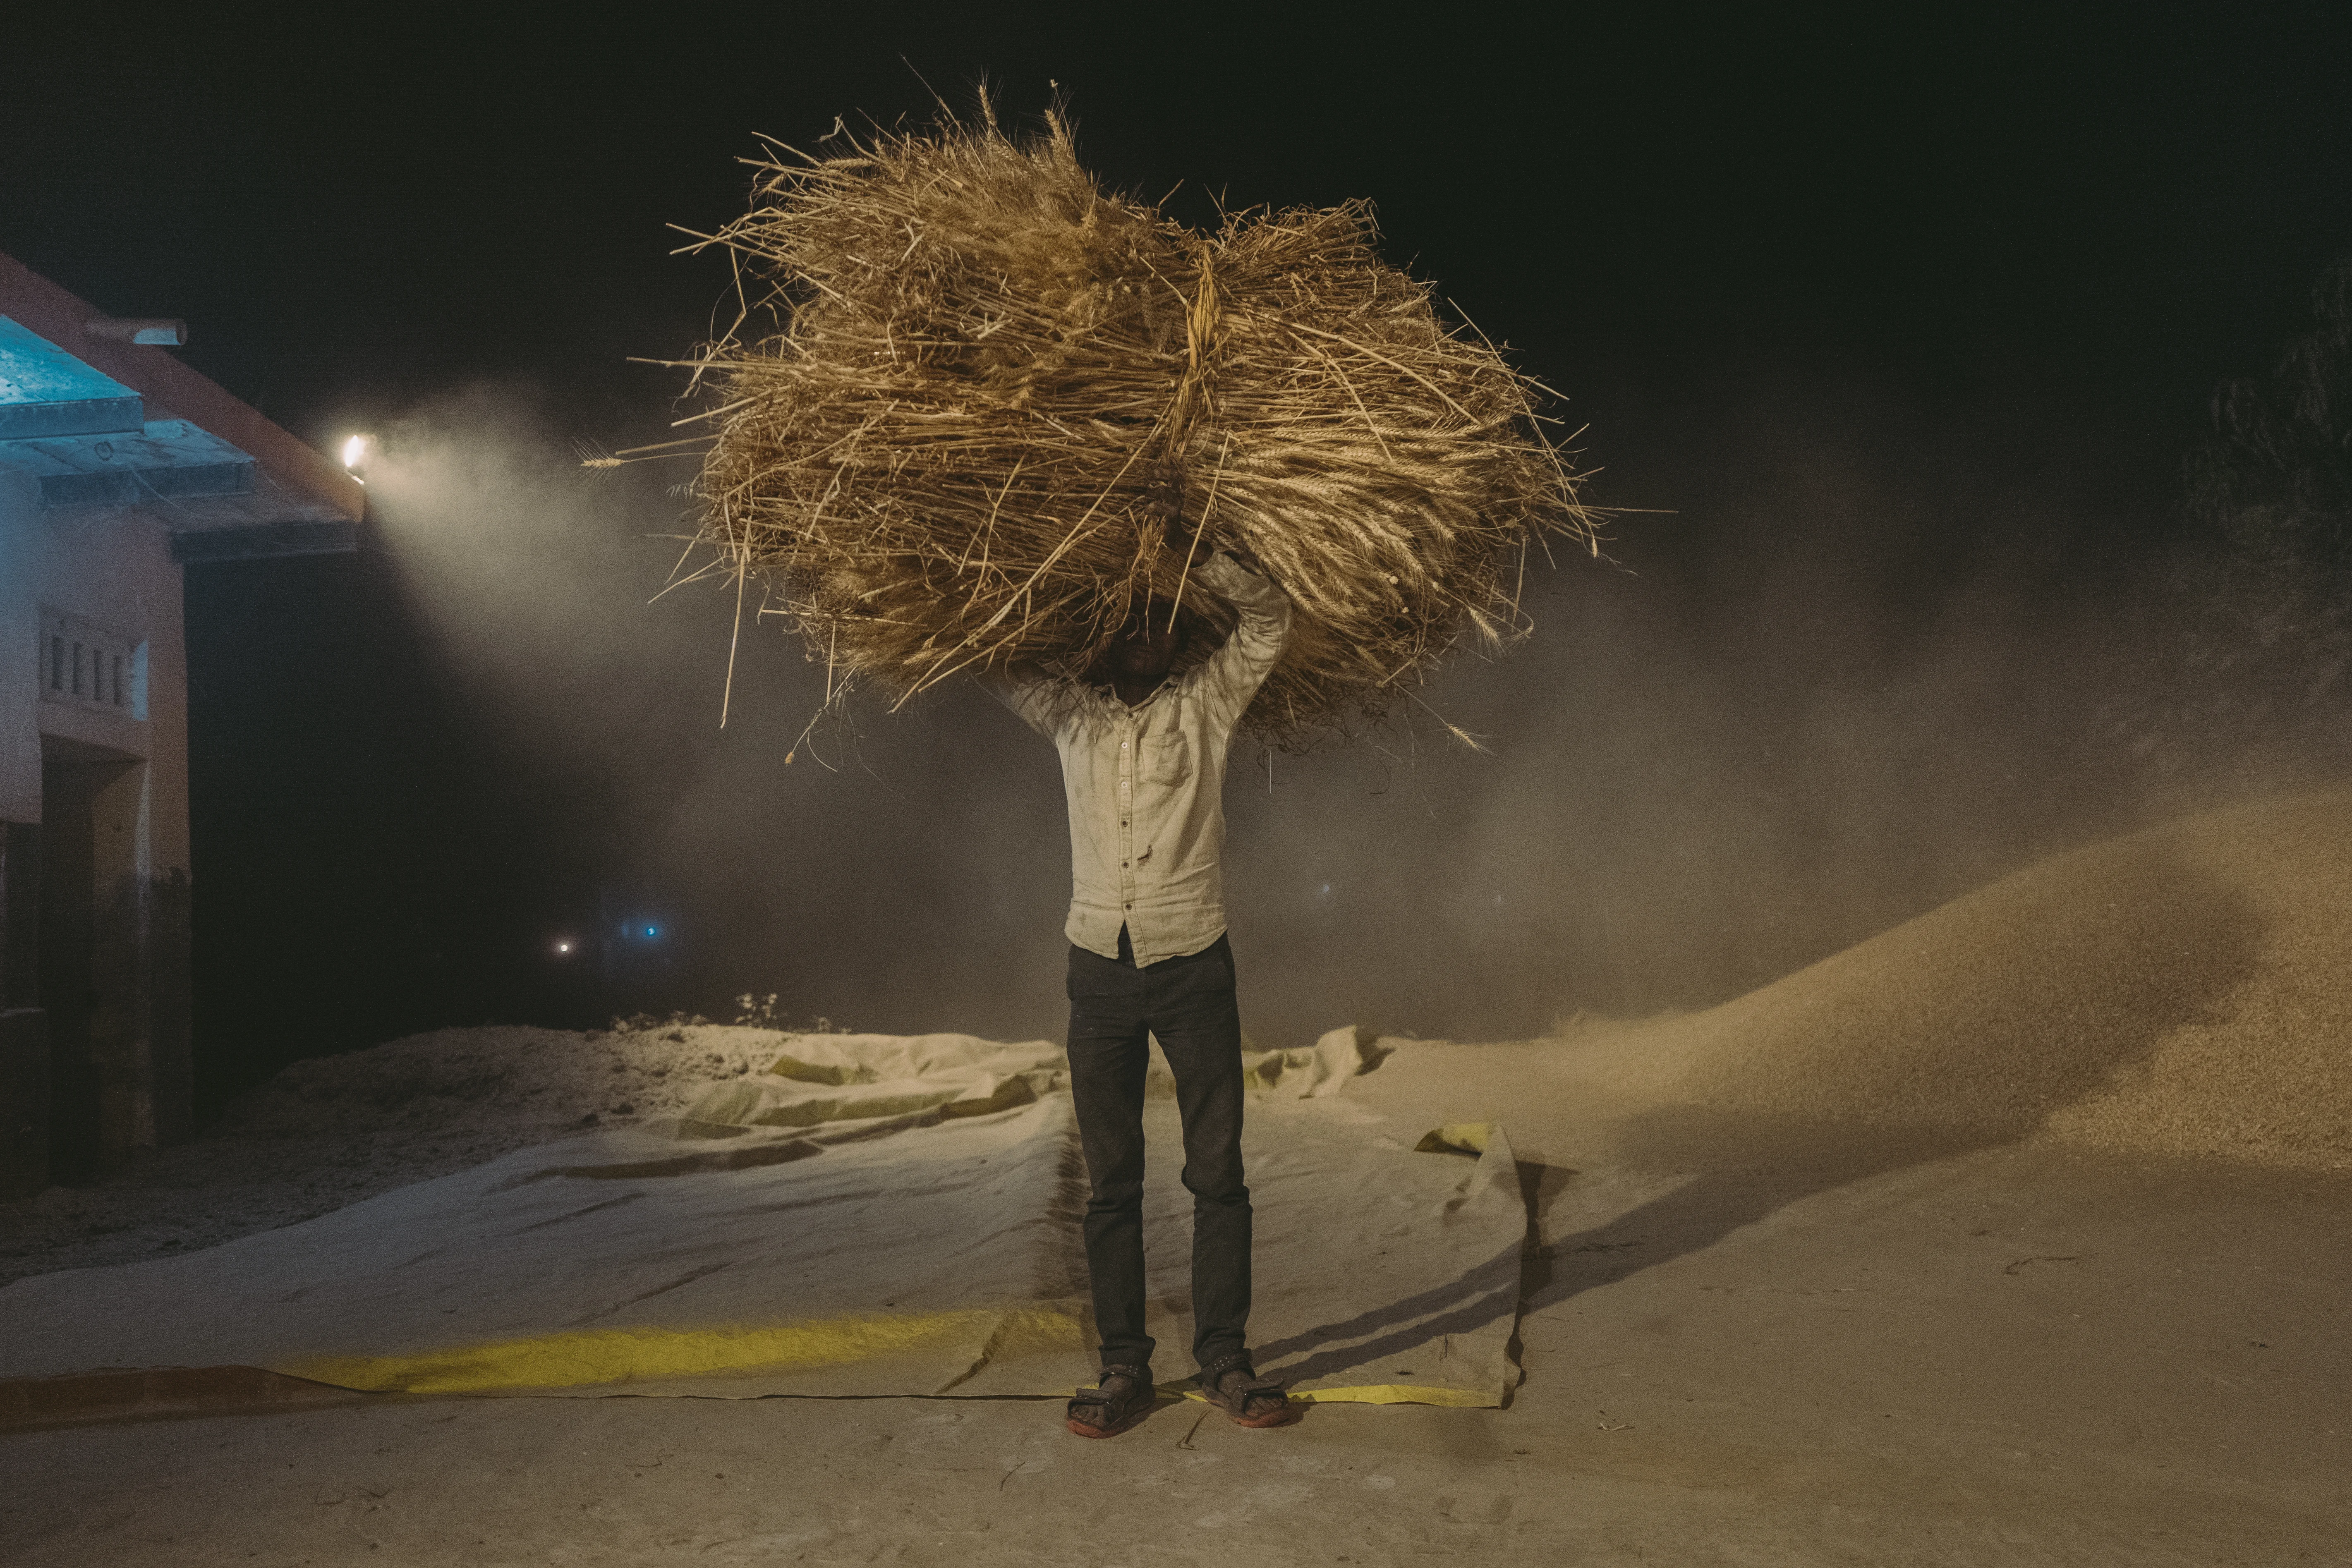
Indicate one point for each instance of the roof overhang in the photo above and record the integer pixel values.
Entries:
(96, 421)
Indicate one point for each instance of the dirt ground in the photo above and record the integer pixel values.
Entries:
(333, 1130)
(2021, 1234)
(1780, 1351)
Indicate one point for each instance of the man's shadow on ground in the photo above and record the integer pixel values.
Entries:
(2162, 946)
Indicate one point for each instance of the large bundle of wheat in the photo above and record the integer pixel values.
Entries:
(992, 380)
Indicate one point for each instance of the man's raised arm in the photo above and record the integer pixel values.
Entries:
(1028, 692)
(1232, 676)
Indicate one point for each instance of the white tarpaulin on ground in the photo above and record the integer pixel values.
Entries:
(878, 1215)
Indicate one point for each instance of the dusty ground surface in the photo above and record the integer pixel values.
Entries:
(335, 1130)
(1787, 1353)
(2016, 1235)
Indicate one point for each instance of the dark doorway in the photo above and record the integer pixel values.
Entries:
(88, 953)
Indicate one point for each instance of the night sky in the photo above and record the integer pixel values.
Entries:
(1951, 292)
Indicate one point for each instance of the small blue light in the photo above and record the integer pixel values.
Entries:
(649, 931)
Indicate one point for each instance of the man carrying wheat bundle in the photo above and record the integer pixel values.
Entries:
(1155, 487)
(1143, 766)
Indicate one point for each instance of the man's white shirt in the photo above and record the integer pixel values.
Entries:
(1146, 784)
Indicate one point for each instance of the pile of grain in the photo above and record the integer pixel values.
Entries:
(2183, 991)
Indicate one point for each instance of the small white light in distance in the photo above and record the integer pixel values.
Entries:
(563, 947)
(354, 450)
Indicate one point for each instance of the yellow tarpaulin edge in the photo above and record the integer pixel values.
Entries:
(1456, 1138)
(1383, 1394)
(584, 1358)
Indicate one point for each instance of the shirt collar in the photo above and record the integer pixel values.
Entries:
(1110, 695)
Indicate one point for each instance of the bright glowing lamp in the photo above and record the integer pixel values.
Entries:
(354, 451)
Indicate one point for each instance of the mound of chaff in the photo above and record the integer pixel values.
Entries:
(993, 382)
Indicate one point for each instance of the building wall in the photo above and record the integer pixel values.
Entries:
(116, 784)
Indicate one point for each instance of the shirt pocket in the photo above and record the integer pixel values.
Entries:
(1167, 759)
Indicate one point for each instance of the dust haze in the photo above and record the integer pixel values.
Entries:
(1836, 669)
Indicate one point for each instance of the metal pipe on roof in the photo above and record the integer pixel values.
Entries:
(162, 330)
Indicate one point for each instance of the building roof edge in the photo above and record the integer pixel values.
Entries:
(176, 389)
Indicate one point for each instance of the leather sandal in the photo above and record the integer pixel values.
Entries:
(1234, 1387)
(1121, 1396)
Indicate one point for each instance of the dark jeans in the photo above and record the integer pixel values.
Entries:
(1188, 1002)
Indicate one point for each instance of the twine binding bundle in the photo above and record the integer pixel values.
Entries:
(993, 383)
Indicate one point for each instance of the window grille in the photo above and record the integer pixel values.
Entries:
(87, 665)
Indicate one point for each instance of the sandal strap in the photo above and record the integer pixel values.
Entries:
(1235, 1396)
(1136, 1378)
